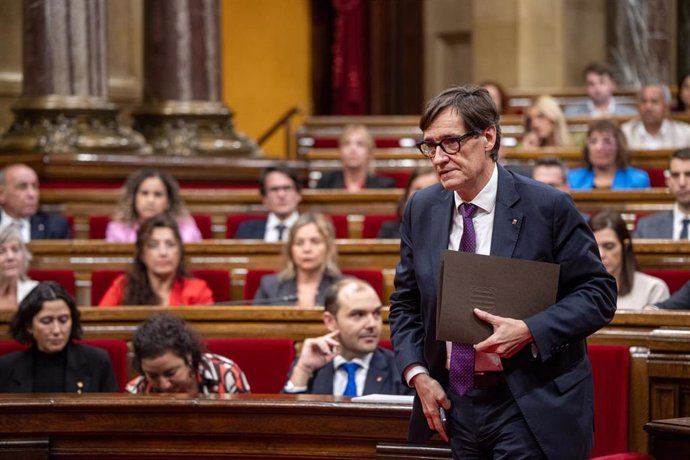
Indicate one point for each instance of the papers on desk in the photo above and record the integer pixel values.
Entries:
(379, 398)
(511, 288)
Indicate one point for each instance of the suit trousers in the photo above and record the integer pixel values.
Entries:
(486, 423)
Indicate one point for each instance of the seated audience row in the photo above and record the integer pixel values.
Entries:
(169, 355)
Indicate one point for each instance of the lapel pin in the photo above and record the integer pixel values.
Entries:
(80, 387)
(379, 379)
(514, 222)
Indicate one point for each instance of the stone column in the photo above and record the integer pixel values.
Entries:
(64, 104)
(182, 112)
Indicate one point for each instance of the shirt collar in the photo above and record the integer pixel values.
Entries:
(486, 198)
(7, 220)
(272, 220)
(364, 362)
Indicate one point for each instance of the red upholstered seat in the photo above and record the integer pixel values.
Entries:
(252, 356)
(218, 281)
(203, 222)
(340, 225)
(97, 226)
(117, 350)
(63, 277)
(386, 344)
(674, 278)
(656, 177)
(233, 221)
(372, 224)
(70, 222)
(254, 275)
(400, 177)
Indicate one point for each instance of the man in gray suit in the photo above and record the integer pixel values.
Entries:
(672, 224)
(347, 361)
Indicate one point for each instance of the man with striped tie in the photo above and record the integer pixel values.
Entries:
(526, 391)
(347, 361)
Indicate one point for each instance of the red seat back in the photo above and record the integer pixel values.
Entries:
(251, 355)
(340, 225)
(203, 222)
(656, 177)
(610, 370)
(97, 226)
(674, 278)
(233, 221)
(218, 281)
(63, 277)
(400, 177)
(252, 282)
(372, 224)
(117, 350)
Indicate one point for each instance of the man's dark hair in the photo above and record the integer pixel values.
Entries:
(553, 162)
(20, 324)
(164, 333)
(682, 154)
(281, 168)
(599, 68)
(473, 104)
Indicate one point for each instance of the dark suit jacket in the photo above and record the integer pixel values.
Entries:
(679, 300)
(383, 377)
(554, 391)
(86, 364)
(49, 226)
(336, 179)
(272, 289)
(659, 225)
(390, 229)
(251, 230)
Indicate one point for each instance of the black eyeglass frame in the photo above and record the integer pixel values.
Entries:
(435, 145)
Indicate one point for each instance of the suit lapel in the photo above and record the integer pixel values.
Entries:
(77, 379)
(323, 380)
(377, 375)
(507, 221)
(441, 215)
(38, 227)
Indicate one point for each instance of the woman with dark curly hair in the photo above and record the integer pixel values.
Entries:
(48, 319)
(167, 353)
(158, 276)
(148, 193)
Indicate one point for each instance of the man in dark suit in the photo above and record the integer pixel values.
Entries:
(347, 361)
(672, 224)
(526, 391)
(281, 193)
(19, 197)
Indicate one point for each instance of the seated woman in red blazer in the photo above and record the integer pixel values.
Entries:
(158, 276)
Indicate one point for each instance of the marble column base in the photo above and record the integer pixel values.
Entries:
(192, 128)
(69, 124)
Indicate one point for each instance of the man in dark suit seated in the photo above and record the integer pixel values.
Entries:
(347, 361)
(671, 224)
(19, 198)
(281, 192)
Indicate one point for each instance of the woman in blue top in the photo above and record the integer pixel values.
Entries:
(607, 158)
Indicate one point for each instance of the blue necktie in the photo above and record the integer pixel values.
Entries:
(351, 387)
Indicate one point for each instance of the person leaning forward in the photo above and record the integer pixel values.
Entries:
(531, 386)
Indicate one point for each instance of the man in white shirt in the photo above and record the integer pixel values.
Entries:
(281, 192)
(19, 198)
(672, 224)
(600, 87)
(653, 129)
(347, 361)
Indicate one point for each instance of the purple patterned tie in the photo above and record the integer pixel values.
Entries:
(461, 378)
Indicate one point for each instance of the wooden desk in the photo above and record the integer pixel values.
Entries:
(669, 439)
(165, 426)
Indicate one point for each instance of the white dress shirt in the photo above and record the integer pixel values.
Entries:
(340, 376)
(272, 221)
(678, 217)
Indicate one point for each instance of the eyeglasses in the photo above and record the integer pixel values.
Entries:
(450, 145)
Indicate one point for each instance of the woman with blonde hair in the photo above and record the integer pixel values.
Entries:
(545, 125)
(14, 262)
(309, 265)
(356, 153)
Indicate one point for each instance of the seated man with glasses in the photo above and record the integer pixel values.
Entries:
(671, 224)
(280, 189)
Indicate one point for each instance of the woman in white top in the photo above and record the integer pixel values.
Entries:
(635, 289)
(14, 262)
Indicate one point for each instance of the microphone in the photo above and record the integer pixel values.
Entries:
(280, 300)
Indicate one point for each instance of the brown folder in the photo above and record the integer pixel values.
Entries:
(512, 288)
